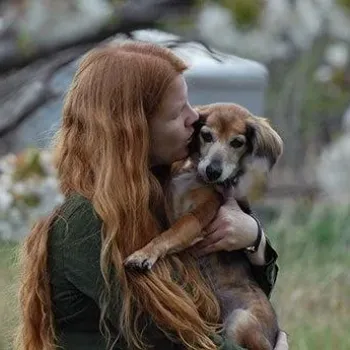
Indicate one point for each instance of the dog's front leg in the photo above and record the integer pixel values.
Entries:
(181, 234)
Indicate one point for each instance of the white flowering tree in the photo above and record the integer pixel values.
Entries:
(28, 190)
(306, 46)
(333, 168)
(39, 37)
(304, 43)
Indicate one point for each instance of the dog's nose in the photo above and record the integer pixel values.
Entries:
(213, 171)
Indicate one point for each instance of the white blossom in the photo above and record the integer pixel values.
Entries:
(282, 28)
(5, 181)
(323, 73)
(23, 201)
(346, 121)
(337, 55)
(7, 164)
(20, 188)
(5, 229)
(6, 200)
(333, 171)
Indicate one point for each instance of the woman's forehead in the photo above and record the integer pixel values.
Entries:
(176, 94)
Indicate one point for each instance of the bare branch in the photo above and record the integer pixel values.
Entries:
(25, 90)
(19, 106)
(130, 16)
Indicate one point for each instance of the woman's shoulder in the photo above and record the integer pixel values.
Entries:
(76, 205)
(76, 218)
(74, 247)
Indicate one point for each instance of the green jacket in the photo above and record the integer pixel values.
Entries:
(76, 280)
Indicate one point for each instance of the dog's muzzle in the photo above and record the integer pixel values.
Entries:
(213, 171)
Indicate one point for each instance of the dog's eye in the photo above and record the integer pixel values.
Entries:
(206, 136)
(236, 143)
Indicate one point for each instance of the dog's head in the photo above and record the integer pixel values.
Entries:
(226, 135)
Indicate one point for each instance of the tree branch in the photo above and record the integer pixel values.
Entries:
(25, 90)
(19, 106)
(132, 15)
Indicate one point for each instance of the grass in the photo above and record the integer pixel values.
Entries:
(312, 295)
(8, 290)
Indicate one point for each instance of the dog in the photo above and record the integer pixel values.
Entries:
(231, 150)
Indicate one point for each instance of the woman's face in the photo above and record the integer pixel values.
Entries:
(171, 128)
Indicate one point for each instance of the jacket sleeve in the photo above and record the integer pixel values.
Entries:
(266, 274)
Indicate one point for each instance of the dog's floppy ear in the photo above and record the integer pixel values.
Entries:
(264, 140)
(203, 113)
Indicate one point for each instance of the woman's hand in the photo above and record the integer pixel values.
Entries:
(232, 229)
(282, 341)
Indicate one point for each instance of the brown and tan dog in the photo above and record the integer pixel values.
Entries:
(233, 150)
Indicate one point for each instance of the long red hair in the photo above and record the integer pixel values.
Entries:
(102, 152)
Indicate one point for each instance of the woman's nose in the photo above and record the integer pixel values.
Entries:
(192, 116)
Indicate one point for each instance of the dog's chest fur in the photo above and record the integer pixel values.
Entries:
(182, 183)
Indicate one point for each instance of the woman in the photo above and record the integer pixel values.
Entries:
(126, 118)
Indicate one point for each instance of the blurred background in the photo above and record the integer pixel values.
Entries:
(287, 60)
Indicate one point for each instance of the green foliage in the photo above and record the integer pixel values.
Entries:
(317, 103)
(322, 102)
(118, 2)
(7, 253)
(183, 24)
(8, 292)
(312, 296)
(341, 78)
(28, 164)
(246, 13)
(344, 3)
(312, 292)
(25, 42)
(322, 230)
(31, 200)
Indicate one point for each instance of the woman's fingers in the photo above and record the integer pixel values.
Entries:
(282, 341)
(210, 239)
(220, 222)
(215, 247)
(214, 225)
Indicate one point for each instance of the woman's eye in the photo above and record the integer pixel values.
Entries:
(236, 143)
(206, 136)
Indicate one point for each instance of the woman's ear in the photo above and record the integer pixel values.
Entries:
(264, 140)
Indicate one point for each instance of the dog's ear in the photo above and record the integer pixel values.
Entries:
(263, 140)
(203, 113)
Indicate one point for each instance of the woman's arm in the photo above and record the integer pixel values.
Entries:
(264, 266)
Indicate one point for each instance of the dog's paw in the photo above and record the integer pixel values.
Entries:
(140, 261)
